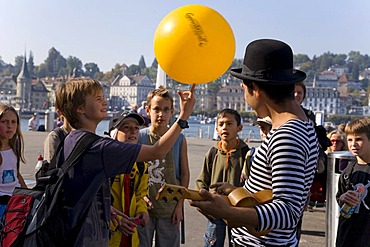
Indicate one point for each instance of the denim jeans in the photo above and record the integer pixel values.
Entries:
(216, 233)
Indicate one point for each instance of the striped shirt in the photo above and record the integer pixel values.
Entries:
(285, 163)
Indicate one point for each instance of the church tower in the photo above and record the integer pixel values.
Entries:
(23, 97)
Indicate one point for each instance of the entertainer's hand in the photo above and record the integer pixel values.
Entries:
(187, 102)
(350, 197)
(177, 214)
(222, 188)
(215, 205)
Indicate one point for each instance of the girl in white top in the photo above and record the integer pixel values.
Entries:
(11, 154)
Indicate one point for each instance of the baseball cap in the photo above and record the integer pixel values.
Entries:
(117, 119)
(266, 120)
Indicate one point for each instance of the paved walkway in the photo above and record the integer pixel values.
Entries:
(313, 229)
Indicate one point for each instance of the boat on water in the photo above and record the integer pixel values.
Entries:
(208, 121)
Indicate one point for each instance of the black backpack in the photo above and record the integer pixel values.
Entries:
(33, 217)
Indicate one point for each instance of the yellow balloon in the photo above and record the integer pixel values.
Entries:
(194, 44)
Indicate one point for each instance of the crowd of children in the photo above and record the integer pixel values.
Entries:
(122, 173)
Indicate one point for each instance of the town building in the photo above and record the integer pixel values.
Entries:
(126, 91)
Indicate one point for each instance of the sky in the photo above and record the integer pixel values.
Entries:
(107, 32)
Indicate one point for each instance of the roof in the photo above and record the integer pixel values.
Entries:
(24, 71)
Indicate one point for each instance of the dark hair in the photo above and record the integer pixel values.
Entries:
(301, 84)
(231, 112)
(278, 93)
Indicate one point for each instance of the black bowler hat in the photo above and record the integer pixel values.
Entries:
(268, 61)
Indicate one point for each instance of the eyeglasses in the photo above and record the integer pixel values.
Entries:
(335, 141)
(158, 110)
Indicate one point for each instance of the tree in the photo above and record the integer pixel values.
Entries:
(54, 62)
(155, 63)
(133, 70)
(300, 58)
(61, 65)
(142, 64)
(18, 64)
(355, 71)
(214, 87)
(150, 72)
(91, 70)
(73, 63)
(31, 65)
(2, 64)
(326, 61)
(236, 63)
(111, 75)
(340, 59)
(42, 70)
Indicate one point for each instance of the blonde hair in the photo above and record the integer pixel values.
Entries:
(73, 95)
(342, 137)
(16, 143)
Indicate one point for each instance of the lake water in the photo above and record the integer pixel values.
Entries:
(195, 130)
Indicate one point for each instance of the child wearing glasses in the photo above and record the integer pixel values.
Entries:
(164, 217)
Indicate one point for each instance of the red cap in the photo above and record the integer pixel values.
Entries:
(40, 157)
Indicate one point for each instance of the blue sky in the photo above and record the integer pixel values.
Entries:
(117, 31)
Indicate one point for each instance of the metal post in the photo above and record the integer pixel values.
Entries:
(337, 161)
(49, 120)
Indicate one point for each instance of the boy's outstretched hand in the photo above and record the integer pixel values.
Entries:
(187, 102)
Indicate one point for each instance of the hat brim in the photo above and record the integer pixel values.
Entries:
(296, 76)
(138, 117)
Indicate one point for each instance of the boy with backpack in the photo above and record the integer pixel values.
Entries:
(223, 163)
(353, 194)
(128, 190)
(84, 213)
(165, 217)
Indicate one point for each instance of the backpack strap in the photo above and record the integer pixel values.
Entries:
(347, 173)
(82, 145)
(211, 158)
(58, 159)
(78, 151)
(177, 155)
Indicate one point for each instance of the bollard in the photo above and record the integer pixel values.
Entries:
(337, 162)
(49, 120)
(200, 131)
